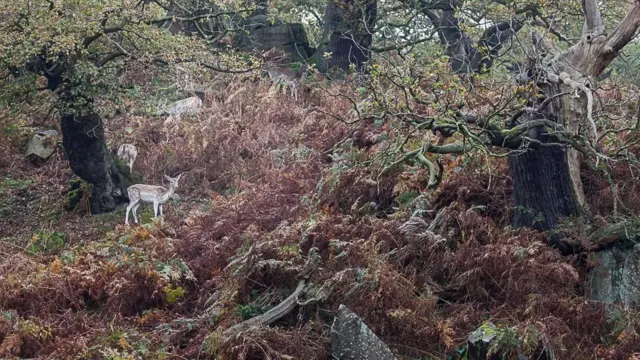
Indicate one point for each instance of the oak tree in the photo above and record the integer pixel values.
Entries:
(79, 47)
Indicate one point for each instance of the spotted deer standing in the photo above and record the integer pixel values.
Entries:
(288, 77)
(155, 194)
(128, 153)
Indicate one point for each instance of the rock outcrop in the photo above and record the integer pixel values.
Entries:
(42, 145)
(351, 339)
(616, 277)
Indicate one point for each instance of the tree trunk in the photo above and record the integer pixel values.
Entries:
(89, 158)
(543, 192)
(546, 179)
(83, 134)
(573, 74)
(348, 31)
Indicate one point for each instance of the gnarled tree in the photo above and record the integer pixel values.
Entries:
(556, 127)
(547, 178)
(78, 47)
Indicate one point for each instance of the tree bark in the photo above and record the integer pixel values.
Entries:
(83, 134)
(85, 146)
(348, 30)
(546, 179)
(573, 73)
(542, 188)
(86, 149)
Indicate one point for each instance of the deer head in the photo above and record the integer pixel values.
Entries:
(173, 181)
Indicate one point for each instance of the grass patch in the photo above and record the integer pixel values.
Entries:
(46, 241)
(8, 184)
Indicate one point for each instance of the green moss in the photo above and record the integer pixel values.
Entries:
(11, 130)
(250, 310)
(407, 198)
(8, 184)
(78, 189)
(6, 208)
(129, 178)
(45, 241)
(173, 294)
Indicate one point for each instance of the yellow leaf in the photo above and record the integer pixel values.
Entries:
(124, 344)
(56, 266)
(446, 333)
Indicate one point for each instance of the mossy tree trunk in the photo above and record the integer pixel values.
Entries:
(546, 177)
(85, 146)
(547, 183)
(89, 158)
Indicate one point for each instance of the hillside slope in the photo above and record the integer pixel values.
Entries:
(275, 192)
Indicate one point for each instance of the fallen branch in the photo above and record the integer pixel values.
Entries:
(271, 316)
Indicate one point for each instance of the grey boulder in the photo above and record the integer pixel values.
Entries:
(351, 339)
(42, 145)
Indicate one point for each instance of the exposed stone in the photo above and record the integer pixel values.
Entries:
(351, 339)
(479, 342)
(42, 145)
(291, 38)
(616, 277)
(188, 106)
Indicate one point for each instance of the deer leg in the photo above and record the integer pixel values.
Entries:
(135, 209)
(155, 209)
(126, 218)
(162, 215)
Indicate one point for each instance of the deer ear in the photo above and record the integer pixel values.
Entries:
(168, 178)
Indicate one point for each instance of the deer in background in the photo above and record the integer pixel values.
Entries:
(185, 107)
(189, 106)
(275, 64)
(155, 194)
(128, 153)
(283, 75)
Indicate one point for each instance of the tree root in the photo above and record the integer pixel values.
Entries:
(610, 234)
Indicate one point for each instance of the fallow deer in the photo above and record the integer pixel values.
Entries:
(185, 107)
(157, 195)
(288, 77)
(128, 153)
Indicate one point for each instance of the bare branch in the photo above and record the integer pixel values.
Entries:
(161, 61)
(109, 57)
(465, 56)
(269, 317)
(542, 22)
(402, 46)
(626, 29)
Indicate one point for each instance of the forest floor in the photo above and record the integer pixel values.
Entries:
(272, 193)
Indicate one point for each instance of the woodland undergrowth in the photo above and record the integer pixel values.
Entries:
(274, 192)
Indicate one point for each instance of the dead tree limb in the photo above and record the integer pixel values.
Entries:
(271, 316)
